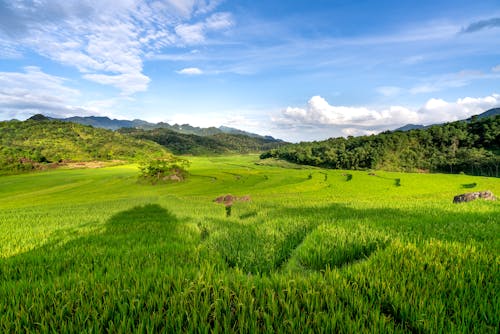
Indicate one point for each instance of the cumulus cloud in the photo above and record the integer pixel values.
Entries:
(320, 112)
(348, 120)
(23, 94)
(190, 71)
(107, 40)
(483, 24)
(438, 110)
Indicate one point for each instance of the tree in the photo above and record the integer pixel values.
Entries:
(168, 167)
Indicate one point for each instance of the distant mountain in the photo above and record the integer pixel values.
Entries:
(39, 118)
(115, 124)
(489, 113)
(189, 130)
(409, 127)
(234, 131)
(106, 122)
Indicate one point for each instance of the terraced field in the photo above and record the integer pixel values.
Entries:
(94, 250)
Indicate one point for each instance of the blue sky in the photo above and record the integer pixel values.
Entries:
(297, 70)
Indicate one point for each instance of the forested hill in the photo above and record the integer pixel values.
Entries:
(471, 147)
(219, 143)
(35, 143)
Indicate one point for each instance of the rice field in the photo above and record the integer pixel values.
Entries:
(319, 251)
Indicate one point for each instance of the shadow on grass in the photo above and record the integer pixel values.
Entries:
(248, 215)
(142, 234)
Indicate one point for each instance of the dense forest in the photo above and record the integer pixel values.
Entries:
(38, 142)
(471, 147)
(219, 143)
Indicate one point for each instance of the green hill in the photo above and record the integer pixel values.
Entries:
(465, 146)
(39, 142)
(219, 143)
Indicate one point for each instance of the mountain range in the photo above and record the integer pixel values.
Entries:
(178, 139)
(115, 124)
(488, 113)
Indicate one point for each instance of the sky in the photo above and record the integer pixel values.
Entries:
(298, 70)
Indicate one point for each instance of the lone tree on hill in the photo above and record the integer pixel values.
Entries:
(165, 168)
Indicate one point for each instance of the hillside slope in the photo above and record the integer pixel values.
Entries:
(219, 143)
(26, 145)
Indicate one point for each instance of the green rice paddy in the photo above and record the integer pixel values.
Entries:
(319, 251)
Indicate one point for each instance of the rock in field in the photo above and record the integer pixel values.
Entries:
(467, 197)
(228, 199)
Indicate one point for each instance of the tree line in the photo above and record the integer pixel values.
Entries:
(471, 147)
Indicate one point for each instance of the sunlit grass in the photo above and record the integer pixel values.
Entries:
(95, 251)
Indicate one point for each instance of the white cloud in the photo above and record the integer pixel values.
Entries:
(412, 60)
(183, 7)
(33, 91)
(219, 21)
(191, 34)
(108, 40)
(190, 71)
(196, 33)
(237, 118)
(389, 90)
(452, 80)
(320, 112)
(357, 132)
(187, 8)
(320, 115)
(128, 83)
(438, 110)
(496, 68)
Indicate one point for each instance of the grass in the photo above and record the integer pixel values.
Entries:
(93, 250)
